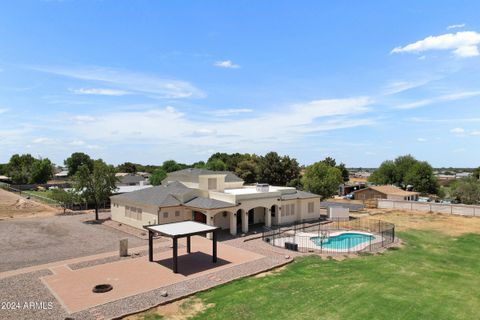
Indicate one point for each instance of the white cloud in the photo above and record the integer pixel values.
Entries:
(422, 140)
(77, 143)
(3, 110)
(130, 81)
(463, 44)
(83, 119)
(475, 133)
(456, 26)
(168, 128)
(43, 140)
(229, 112)
(458, 131)
(100, 91)
(398, 86)
(226, 64)
(446, 97)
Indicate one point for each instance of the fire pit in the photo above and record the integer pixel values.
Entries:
(101, 288)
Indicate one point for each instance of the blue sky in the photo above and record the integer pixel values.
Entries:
(147, 81)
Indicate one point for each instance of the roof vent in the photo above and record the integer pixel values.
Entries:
(262, 187)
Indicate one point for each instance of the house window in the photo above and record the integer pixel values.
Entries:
(292, 209)
(212, 183)
(177, 213)
(287, 210)
(310, 207)
(165, 215)
(133, 213)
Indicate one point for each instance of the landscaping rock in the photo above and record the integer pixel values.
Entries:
(164, 293)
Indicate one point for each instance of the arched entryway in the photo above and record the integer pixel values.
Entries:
(199, 216)
(275, 214)
(226, 220)
(252, 217)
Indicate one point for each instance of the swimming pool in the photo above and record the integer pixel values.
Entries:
(345, 240)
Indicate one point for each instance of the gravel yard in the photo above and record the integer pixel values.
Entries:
(34, 241)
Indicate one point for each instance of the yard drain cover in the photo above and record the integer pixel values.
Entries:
(101, 288)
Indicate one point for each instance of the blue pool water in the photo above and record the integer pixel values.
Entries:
(342, 241)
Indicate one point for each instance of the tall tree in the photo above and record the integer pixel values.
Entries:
(406, 170)
(42, 171)
(276, 170)
(3, 168)
(216, 165)
(76, 160)
(95, 185)
(402, 165)
(330, 161)
(19, 168)
(344, 171)
(476, 173)
(385, 174)
(231, 160)
(247, 170)
(157, 177)
(421, 177)
(172, 165)
(467, 190)
(323, 179)
(270, 169)
(127, 167)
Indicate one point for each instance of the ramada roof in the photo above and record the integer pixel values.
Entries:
(392, 190)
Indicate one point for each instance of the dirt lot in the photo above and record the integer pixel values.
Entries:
(13, 206)
(32, 241)
(449, 224)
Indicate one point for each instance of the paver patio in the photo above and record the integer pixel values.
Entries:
(73, 288)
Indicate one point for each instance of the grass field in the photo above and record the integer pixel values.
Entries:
(434, 276)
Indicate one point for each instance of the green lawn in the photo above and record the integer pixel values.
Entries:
(434, 276)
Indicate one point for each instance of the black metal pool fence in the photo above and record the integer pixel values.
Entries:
(364, 235)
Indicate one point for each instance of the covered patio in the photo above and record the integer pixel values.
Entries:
(176, 230)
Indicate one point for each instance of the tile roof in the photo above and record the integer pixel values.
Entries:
(192, 174)
(207, 203)
(388, 189)
(131, 179)
(163, 196)
(299, 195)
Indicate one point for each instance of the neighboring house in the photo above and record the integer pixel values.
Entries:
(347, 188)
(131, 180)
(5, 179)
(362, 174)
(62, 175)
(215, 198)
(385, 192)
(462, 175)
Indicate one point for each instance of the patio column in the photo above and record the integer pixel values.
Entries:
(150, 246)
(210, 222)
(175, 254)
(189, 247)
(268, 218)
(214, 249)
(233, 223)
(244, 221)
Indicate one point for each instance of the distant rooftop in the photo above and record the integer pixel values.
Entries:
(192, 174)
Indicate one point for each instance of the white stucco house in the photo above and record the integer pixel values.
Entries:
(215, 198)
